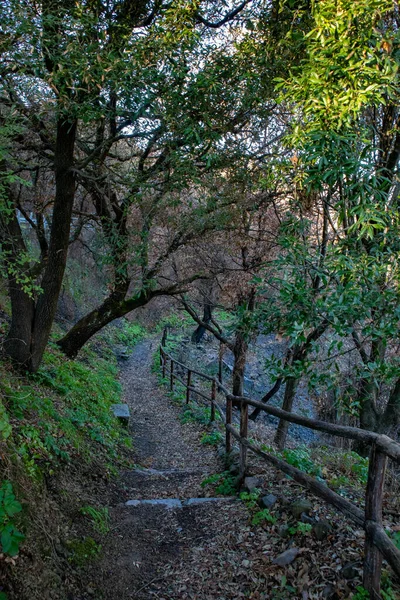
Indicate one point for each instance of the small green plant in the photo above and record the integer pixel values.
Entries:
(195, 413)
(361, 594)
(302, 528)
(83, 551)
(357, 466)
(100, 518)
(263, 515)
(226, 483)
(251, 498)
(10, 538)
(301, 459)
(285, 591)
(213, 439)
(396, 539)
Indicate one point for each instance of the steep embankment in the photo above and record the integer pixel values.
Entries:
(60, 449)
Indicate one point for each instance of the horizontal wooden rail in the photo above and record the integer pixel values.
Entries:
(378, 544)
(383, 442)
(380, 538)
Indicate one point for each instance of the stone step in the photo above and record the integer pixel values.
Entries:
(169, 503)
(169, 472)
(122, 413)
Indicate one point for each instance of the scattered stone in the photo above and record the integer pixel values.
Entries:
(245, 563)
(121, 411)
(350, 570)
(329, 592)
(321, 530)
(306, 519)
(286, 557)
(301, 506)
(252, 483)
(283, 531)
(221, 452)
(232, 457)
(268, 501)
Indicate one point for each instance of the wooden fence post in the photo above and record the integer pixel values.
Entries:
(172, 376)
(228, 420)
(164, 337)
(244, 422)
(213, 397)
(164, 362)
(220, 355)
(373, 512)
(189, 383)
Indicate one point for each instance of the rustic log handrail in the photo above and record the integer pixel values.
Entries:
(378, 544)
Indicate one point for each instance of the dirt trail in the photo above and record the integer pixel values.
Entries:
(148, 543)
(207, 550)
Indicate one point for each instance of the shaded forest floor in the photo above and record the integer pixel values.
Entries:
(213, 549)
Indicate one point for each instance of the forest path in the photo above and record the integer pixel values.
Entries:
(159, 551)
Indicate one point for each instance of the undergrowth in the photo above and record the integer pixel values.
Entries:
(59, 417)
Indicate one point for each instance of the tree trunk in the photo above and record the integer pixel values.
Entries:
(390, 420)
(59, 240)
(18, 342)
(282, 431)
(114, 307)
(199, 332)
(31, 325)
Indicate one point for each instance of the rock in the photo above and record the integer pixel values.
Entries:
(268, 501)
(321, 530)
(252, 483)
(286, 557)
(300, 506)
(306, 519)
(221, 452)
(283, 531)
(329, 592)
(350, 570)
(234, 469)
(233, 456)
(121, 411)
(245, 563)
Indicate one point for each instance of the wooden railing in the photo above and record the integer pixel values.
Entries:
(378, 545)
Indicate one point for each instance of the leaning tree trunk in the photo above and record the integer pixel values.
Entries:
(114, 307)
(94, 321)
